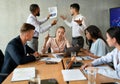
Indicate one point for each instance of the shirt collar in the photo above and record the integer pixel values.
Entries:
(31, 15)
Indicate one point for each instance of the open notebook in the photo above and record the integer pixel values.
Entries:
(20, 74)
(73, 75)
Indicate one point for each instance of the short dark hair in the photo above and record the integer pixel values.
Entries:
(33, 7)
(75, 6)
(26, 27)
(114, 32)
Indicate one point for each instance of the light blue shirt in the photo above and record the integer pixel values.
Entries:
(99, 48)
(114, 57)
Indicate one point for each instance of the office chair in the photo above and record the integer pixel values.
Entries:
(1, 63)
(49, 50)
(1, 59)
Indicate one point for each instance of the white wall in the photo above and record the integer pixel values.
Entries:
(15, 12)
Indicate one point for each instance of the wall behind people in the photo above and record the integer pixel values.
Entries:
(15, 12)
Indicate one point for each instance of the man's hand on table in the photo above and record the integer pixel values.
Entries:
(37, 55)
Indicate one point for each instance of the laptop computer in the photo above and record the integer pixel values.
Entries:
(71, 49)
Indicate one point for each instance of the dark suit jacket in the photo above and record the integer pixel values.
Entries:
(15, 55)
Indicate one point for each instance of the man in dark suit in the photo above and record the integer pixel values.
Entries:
(17, 52)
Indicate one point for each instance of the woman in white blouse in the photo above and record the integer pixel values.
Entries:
(113, 40)
(57, 44)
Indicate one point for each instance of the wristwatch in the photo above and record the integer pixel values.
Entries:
(37, 58)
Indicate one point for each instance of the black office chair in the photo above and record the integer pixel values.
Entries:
(1, 63)
(49, 50)
(1, 59)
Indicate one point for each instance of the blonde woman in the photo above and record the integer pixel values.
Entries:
(57, 44)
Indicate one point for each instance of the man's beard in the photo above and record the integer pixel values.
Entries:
(72, 14)
(38, 14)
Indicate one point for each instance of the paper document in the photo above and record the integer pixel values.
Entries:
(20, 74)
(53, 12)
(78, 58)
(51, 59)
(87, 58)
(73, 75)
(58, 55)
(101, 69)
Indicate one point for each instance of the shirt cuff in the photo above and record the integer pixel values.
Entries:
(93, 63)
(50, 25)
(65, 21)
(46, 19)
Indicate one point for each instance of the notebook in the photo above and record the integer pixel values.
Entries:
(73, 75)
(20, 74)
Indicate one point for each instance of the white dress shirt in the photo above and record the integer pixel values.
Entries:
(114, 57)
(77, 30)
(38, 29)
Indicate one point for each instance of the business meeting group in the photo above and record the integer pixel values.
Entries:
(24, 49)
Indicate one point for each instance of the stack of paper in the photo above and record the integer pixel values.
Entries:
(58, 55)
(51, 59)
(73, 75)
(78, 58)
(87, 58)
(20, 74)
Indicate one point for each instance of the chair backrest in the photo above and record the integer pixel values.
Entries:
(1, 59)
(49, 50)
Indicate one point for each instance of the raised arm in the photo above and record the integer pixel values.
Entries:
(44, 20)
(46, 44)
(66, 22)
(38, 27)
(46, 28)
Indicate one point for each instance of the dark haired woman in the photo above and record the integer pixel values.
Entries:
(57, 44)
(97, 44)
(113, 40)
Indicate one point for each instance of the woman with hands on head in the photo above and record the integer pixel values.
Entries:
(57, 44)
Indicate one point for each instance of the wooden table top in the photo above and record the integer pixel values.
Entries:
(54, 71)
(99, 78)
(43, 70)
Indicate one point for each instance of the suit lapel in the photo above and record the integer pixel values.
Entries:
(22, 46)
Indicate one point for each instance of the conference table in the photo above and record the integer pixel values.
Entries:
(48, 71)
